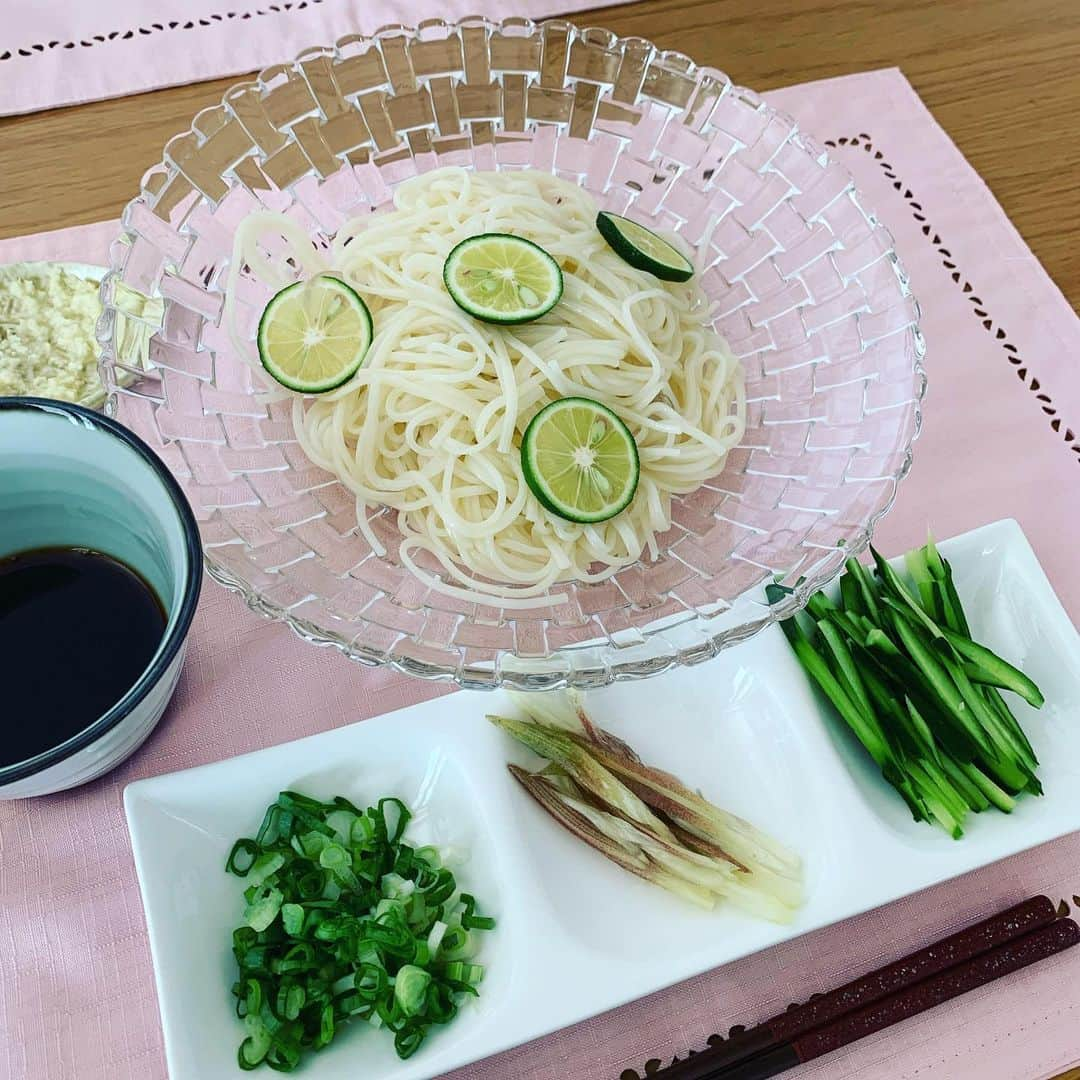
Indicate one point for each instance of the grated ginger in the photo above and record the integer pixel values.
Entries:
(47, 344)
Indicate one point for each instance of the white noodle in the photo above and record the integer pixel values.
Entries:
(431, 425)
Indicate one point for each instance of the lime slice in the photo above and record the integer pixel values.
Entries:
(500, 278)
(643, 249)
(580, 460)
(314, 335)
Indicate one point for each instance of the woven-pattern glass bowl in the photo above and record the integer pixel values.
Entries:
(808, 292)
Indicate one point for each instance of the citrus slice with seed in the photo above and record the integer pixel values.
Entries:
(499, 278)
(314, 335)
(580, 460)
(643, 249)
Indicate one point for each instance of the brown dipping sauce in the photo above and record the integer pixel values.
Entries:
(77, 629)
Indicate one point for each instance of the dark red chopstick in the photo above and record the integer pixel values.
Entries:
(777, 1039)
(1014, 955)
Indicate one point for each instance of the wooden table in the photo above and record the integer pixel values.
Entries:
(1002, 77)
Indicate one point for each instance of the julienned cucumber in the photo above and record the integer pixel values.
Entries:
(898, 662)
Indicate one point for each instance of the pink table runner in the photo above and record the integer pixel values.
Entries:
(1001, 424)
(55, 52)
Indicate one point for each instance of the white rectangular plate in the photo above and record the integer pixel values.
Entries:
(576, 935)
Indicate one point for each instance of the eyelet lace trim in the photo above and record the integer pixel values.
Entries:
(159, 27)
(978, 308)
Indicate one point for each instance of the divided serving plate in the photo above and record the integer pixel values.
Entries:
(576, 935)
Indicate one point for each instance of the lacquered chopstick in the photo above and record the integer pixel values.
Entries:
(983, 969)
(894, 978)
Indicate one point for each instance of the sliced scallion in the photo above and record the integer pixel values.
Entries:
(345, 920)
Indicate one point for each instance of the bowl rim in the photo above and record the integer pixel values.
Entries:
(172, 640)
(576, 665)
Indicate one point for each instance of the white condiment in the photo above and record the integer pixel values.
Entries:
(47, 344)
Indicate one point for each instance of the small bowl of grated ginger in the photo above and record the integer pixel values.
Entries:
(48, 315)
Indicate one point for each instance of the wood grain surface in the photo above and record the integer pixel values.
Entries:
(1002, 77)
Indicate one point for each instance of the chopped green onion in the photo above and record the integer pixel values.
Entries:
(345, 920)
(265, 865)
(410, 989)
(242, 857)
(292, 919)
(466, 973)
(263, 909)
(474, 922)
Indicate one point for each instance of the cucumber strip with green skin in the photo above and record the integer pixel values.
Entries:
(1005, 771)
(891, 719)
(928, 596)
(848, 672)
(1007, 732)
(865, 728)
(902, 732)
(991, 669)
(938, 677)
(950, 619)
(942, 817)
(998, 796)
(915, 561)
(935, 641)
(961, 626)
(866, 588)
(775, 592)
(922, 729)
(878, 639)
(998, 751)
(998, 703)
(821, 607)
(950, 735)
(850, 595)
(917, 805)
(904, 679)
(901, 595)
(941, 571)
(902, 783)
(935, 564)
(939, 809)
(1008, 746)
(963, 783)
(951, 796)
(1012, 735)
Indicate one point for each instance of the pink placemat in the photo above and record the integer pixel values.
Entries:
(1000, 439)
(55, 52)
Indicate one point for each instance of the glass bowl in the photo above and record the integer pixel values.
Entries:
(807, 288)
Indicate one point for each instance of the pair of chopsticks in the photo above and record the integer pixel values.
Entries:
(997, 946)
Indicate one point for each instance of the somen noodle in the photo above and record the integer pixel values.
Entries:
(431, 424)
